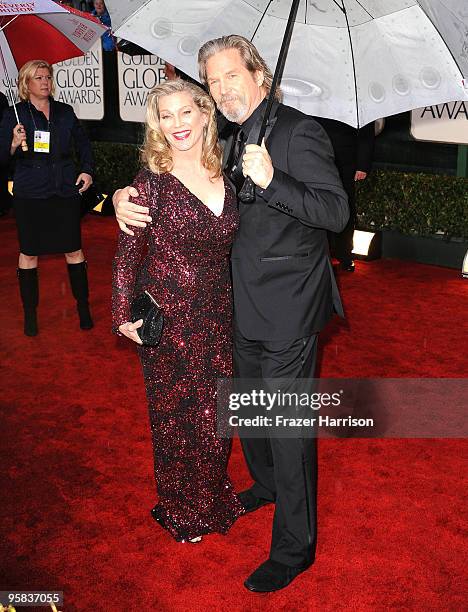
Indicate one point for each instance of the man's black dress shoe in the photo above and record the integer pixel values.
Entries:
(272, 576)
(251, 502)
(347, 266)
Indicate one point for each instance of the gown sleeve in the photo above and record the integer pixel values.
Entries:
(128, 257)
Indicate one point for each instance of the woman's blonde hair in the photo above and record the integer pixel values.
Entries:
(156, 151)
(27, 72)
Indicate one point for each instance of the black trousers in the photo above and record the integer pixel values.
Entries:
(284, 470)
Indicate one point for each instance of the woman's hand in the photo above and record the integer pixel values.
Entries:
(87, 181)
(128, 329)
(19, 136)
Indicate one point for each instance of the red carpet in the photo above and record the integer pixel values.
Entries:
(77, 482)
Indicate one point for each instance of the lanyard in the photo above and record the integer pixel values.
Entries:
(32, 117)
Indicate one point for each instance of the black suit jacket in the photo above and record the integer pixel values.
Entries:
(283, 281)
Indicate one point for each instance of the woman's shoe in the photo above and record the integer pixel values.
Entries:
(156, 514)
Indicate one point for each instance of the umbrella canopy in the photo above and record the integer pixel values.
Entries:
(44, 30)
(350, 60)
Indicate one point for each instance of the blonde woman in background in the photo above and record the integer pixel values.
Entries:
(46, 192)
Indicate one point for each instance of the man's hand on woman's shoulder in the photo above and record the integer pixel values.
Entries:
(127, 212)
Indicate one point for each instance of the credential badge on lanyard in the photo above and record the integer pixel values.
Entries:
(41, 142)
(41, 137)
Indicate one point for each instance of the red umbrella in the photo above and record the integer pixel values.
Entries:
(58, 34)
(44, 29)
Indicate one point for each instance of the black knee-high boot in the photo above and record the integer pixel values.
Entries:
(29, 291)
(79, 286)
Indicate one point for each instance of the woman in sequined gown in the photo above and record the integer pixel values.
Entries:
(181, 258)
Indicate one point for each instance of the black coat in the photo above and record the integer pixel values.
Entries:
(353, 148)
(42, 175)
(283, 280)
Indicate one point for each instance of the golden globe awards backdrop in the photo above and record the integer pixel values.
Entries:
(137, 75)
(79, 82)
(442, 123)
(14, 86)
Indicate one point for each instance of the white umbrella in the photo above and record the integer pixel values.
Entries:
(350, 60)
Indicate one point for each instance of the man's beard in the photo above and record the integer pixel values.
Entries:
(233, 114)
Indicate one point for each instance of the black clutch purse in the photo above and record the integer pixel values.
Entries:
(145, 307)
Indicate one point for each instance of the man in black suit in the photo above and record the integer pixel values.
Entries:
(284, 289)
(354, 150)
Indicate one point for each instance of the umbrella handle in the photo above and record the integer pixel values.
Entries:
(247, 192)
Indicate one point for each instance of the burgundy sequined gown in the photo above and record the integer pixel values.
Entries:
(186, 268)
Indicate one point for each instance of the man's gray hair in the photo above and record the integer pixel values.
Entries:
(250, 56)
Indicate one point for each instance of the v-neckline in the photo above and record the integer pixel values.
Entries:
(201, 201)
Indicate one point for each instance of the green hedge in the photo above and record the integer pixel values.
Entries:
(414, 203)
(116, 165)
(418, 204)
